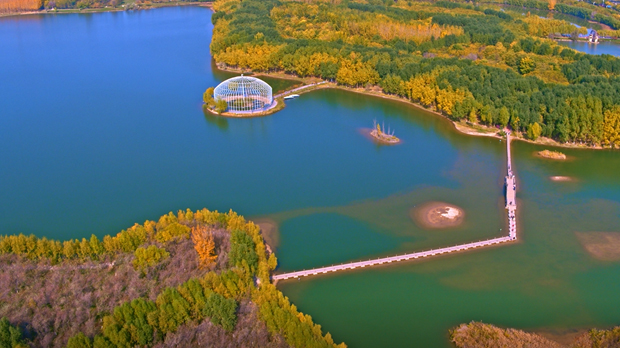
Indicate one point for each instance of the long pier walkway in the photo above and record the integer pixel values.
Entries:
(511, 206)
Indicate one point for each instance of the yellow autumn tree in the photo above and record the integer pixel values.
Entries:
(611, 127)
(422, 88)
(204, 245)
(19, 5)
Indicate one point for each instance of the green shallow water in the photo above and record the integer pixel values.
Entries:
(102, 127)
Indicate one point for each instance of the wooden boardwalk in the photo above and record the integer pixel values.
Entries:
(511, 206)
(511, 194)
(298, 89)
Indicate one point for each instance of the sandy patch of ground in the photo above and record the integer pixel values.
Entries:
(603, 246)
(562, 178)
(437, 215)
(270, 231)
(477, 130)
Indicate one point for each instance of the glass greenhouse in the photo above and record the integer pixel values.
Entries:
(244, 94)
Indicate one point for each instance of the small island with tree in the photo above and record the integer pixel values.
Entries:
(382, 136)
(552, 154)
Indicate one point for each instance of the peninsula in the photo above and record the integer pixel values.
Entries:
(190, 277)
(485, 64)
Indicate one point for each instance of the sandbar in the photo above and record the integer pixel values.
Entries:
(437, 215)
(270, 231)
(604, 246)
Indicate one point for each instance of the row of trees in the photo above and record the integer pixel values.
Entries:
(283, 318)
(580, 12)
(543, 27)
(9, 6)
(127, 241)
(168, 227)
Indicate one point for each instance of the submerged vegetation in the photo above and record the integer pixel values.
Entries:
(190, 277)
(477, 63)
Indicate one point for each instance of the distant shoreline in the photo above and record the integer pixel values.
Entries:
(107, 9)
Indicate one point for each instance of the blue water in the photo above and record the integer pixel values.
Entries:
(603, 47)
(102, 126)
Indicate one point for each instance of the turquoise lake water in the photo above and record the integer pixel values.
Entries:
(102, 126)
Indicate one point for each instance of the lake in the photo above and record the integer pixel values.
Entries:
(102, 126)
(603, 47)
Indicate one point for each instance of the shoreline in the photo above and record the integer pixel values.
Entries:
(107, 9)
(278, 104)
(462, 127)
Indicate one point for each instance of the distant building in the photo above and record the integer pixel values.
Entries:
(593, 37)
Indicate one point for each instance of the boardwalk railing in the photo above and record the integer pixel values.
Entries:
(512, 236)
(298, 89)
(379, 261)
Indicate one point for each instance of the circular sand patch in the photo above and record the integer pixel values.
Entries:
(437, 215)
(561, 178)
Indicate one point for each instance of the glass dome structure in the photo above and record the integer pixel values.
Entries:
(244, 94)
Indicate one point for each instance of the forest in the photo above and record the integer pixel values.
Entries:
(189, 277)
(472, 63)
(9, 6)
